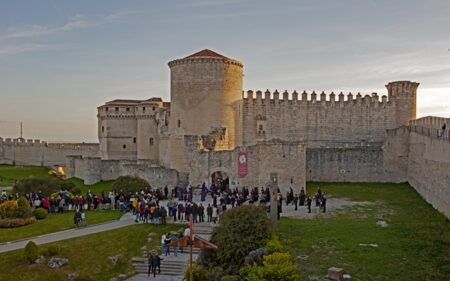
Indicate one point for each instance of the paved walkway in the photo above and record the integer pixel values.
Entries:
(125, 220)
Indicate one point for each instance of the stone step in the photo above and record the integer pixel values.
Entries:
(169, 268)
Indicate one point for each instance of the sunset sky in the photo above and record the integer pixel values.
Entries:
(59, 60)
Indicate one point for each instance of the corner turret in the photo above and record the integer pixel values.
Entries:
(405, 95)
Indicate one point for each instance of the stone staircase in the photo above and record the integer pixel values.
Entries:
(171, 265)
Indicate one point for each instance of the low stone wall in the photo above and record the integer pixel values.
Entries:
(93, 170)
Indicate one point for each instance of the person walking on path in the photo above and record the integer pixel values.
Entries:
(209, 212)
(296, 202)
(156, 263)
(308, 204)
(150, 264)
(324, 203)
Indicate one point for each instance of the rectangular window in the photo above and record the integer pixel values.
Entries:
(179, 123)
(103, 129)
(143, 108)
(153, 108)
(106, 108)
(134, 140)
(117, 109)
(150, 141)
(128, 109)
(124, 146)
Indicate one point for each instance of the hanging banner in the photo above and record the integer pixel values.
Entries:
(242, 164)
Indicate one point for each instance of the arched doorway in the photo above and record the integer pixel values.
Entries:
(220, 180)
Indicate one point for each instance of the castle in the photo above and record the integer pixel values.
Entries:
(211, 129)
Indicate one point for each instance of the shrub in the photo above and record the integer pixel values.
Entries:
(231, 278)
(52, 250)
(70, 187)
(31, 252)
(241, 230)
(40, 213)
(131, 184)
(8, 209)
(16, 222)
(276, 267)
(46, 186)
(198, 273)
(273, 245)
(24, 208)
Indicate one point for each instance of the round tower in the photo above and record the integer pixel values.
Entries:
(205, 89)
(405, 95)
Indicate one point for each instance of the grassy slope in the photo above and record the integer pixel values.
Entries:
(53, 223)
(87, 255)
(415, 246)
(10, 174)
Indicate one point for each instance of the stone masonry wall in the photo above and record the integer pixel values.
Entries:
(93, 170)
(285, 159)
(37, 153)
(317, 122)
(429, 165)
(353, 164)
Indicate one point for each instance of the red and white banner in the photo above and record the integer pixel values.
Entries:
(242, 164)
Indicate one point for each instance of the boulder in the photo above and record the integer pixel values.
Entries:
(40, 259)
(72, 275)
(382, 223)
(335, 273)
(115, 259)
(57, 262)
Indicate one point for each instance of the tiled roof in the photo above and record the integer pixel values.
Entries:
(206, 53)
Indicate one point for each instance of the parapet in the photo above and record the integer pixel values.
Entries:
(256, 97)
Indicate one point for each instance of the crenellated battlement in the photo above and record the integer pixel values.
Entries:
(20, 142)
(259, 97)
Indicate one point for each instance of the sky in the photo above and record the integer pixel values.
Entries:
(59, 60)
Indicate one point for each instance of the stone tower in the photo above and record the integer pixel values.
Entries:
(205, 90)
(405, 95)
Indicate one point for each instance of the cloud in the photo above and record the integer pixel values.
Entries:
(78, 21)
(14, 39)
(8, 50)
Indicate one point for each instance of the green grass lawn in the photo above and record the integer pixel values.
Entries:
(88, 255)
(96, 188)
(415, 245)
(53, 223)
(9, 174)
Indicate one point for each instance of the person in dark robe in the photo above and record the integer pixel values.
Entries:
(324, 203)
(308, 204)
(296, 202)
(302, 197)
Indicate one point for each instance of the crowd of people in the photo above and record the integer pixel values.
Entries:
(145, 205)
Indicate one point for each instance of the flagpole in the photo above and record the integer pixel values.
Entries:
(191, 241)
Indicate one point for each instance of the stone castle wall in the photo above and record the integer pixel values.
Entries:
(38, 153)
(429, 161)
(265, 159)
(353, 164)
(319, 122)
(93, 170)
